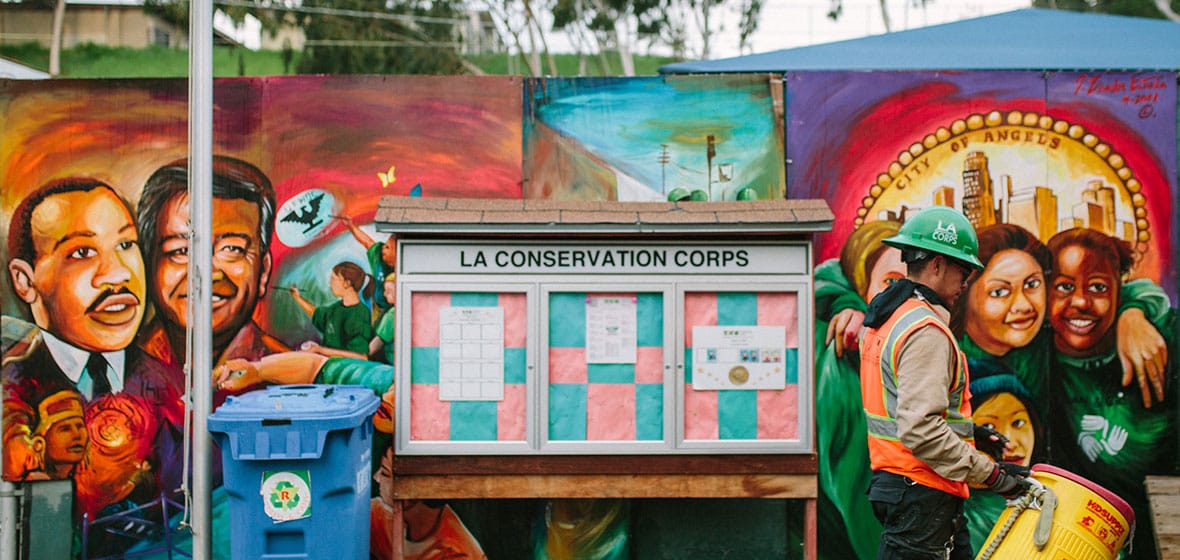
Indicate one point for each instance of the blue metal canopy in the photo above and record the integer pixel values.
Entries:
(1027, 39)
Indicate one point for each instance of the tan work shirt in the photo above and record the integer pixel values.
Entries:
(925, 371)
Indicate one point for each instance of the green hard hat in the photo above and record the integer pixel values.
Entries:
(678, 194)
(747, 194)
(700, 196)
(941, 230)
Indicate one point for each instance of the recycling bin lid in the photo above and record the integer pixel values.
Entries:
(296, 403)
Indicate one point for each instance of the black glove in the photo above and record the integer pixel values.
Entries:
(994, 448)
(1009, 480)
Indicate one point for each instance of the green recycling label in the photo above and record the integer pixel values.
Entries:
(286, 495)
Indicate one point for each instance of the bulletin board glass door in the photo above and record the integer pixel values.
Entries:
(606, 369)
(743, 377)
(465, 380)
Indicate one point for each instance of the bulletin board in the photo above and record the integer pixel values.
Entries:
(612, 399)
(671, 361)
(741, 381)
(468, 368)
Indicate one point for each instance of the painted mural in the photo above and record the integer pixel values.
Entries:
(96, 219)
(1070, 181)
(94, 211)
(1069, 177)
(669, 138)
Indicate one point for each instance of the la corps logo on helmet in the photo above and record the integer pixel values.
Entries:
(946, 234)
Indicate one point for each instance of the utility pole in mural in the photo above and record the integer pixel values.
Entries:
(664, 159)
(710, 153)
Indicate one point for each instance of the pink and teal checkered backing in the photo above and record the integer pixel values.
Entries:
(432, 419)
(742, 414)
(605, 402)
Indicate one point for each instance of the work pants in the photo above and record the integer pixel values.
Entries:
(918, 523)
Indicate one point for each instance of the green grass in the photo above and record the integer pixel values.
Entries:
(93, 61)
(571, 64)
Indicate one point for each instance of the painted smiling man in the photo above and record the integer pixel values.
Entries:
(75, 262)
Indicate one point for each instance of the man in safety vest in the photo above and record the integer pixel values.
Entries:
(914, 388)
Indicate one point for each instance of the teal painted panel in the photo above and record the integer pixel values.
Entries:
(649, 411)
(650, 319)
(610, 373)
(475, 299)
(473, 420)
(567, 320)
(515, 365)
(737, 309)
(567, 412)
(737, 414)
(791, 362)
(424, 365)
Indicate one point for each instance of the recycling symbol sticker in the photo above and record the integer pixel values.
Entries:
(286, 495)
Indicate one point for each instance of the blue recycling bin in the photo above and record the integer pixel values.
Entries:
(297, 462)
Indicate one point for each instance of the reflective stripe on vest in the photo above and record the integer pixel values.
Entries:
(880, 385)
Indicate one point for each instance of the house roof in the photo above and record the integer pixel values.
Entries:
(1026, 39)
(11, 69)
(467, 216)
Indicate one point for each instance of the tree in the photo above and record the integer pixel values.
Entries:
(373, 36)
(614, 25)
(515, 14)
(55, 39)
(836, 9)
(356, 36)
(702, 11)
(1157, 9)
(751, 13)
(56, 29)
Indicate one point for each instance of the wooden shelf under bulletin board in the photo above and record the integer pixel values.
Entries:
(601, 361)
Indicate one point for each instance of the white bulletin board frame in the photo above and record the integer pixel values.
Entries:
(804, 443)
(403, 371)
(608, 285)
(794, 276)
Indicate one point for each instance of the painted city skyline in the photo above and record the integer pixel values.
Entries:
(988, 198)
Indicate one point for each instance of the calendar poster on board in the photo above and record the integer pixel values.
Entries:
(611, 329)
(471, 354)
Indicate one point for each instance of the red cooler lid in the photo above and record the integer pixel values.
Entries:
(1118, 503)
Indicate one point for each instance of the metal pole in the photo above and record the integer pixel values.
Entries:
(8, 521)
(200, 325)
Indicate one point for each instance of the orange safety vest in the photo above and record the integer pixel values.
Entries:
(878, 385)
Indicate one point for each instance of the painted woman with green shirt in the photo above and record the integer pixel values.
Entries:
(1004, 311)
(1001, 402)
(1007, 302)
(344, 324)
(384, 329)
(1103, 427)
(847, 526)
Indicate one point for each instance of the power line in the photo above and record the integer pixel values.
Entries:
(364, 43)
(340, 12)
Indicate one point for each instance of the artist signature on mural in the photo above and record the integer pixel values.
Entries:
(1136, 89)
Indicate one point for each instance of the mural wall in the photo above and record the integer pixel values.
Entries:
(1070, 180)
(1069, 177)
(94, 211)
